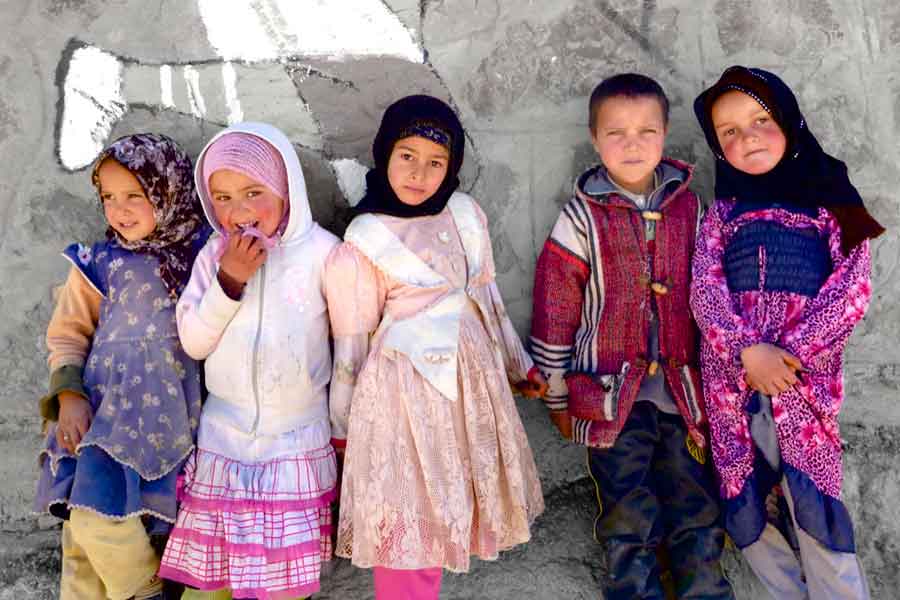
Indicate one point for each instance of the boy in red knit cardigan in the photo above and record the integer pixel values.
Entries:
(612, 333)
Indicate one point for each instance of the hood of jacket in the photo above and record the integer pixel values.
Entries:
(300, 222)
(594, 184)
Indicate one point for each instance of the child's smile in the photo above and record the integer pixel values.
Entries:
(240, 202)
(125, 203)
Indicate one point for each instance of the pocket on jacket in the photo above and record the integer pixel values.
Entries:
(595, 397)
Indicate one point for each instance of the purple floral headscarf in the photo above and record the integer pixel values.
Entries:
(166, 174)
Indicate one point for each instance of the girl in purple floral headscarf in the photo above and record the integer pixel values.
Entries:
(124, 398)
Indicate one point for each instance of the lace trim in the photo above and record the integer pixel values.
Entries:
(55, 458)
(91, 509)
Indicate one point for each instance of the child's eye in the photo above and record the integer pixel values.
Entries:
(135, 196)
(612, 133)
(728, 132)
(253, 194)
(406, 156)
(437, 164)
(649, 131)
(762, 120)
(105, 197)
(221, 199)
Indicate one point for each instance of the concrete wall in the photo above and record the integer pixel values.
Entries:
(77, 73)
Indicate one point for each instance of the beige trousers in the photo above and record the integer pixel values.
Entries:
(103, 558)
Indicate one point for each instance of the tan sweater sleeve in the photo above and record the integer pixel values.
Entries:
(73, 322)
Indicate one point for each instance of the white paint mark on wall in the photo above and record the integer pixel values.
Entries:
(256, 30)
(93, 104)
(351, 178)
(192, 80)
(240, 30)
(221, 92)
(229, 81)
(166, 97)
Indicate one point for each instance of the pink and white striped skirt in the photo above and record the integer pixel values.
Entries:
(260, 529)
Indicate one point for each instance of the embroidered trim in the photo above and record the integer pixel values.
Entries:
(90, 509)
(740, 88)
(177, 464)
(430, 132)
(568, 256)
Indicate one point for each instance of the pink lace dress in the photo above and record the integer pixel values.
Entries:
(428, 480)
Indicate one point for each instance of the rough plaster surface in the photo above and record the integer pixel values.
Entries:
(519, 71)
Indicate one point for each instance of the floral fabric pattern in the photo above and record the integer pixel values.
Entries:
(430, 481)
(814, 329)
(144, 390)
(166, 174)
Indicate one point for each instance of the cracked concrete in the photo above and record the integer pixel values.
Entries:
(519, 72)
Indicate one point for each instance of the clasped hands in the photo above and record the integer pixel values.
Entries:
(770, 370)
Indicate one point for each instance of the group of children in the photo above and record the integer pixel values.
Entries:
(380, 371)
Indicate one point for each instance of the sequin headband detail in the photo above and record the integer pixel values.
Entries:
(429, 132)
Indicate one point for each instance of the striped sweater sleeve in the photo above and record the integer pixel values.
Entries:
(560, 278)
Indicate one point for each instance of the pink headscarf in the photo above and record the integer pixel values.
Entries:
(256, 158)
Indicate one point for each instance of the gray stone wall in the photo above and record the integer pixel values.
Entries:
(77, 73)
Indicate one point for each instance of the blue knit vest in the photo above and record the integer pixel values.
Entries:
(796, 260)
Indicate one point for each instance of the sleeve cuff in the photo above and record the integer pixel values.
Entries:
(217, 308)
(64, 379)
(232, 288)
(556, 404)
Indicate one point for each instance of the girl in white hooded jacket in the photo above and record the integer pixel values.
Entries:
(254, 516)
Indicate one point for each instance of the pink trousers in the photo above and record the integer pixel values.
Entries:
(398, 584)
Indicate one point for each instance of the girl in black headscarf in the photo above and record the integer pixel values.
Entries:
(414, 116)
(781, 276)
(437, 466)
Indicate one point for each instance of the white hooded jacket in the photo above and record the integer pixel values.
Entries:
(268, 361)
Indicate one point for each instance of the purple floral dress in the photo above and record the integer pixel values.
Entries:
(776, 274)
(144, 391)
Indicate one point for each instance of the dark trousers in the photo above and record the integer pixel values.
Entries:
(652, 492)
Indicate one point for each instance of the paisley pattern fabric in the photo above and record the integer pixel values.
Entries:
(166, 174)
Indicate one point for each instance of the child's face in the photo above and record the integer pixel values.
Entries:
(416, 169)
(750, 138)
(629, 137)
(125, 203)
(239, 201)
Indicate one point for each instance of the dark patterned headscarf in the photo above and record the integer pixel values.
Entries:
(805, 176)
(426, 117)
(166, 175)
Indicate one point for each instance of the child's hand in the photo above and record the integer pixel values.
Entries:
(535, 386)
(772, 502)
(74, 420)
(563, 422)
(242, 258)
(770, 369)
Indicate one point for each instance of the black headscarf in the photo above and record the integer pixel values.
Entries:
(413, 115)
(806, 176)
